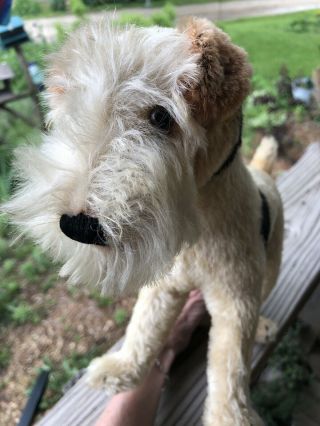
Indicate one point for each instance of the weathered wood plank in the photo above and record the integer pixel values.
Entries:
(182, 401)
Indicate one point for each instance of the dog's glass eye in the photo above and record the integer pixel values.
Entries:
(160, 118)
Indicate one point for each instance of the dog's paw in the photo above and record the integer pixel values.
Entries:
(113, 373)
(266, 331)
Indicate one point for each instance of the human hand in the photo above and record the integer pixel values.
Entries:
(192, 314)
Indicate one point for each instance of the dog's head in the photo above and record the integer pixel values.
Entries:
(112, 190)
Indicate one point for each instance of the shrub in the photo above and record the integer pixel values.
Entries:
(77, 7)
(63, 31)
(5, 355)
(161, 19)
(120, 316)
(58, 5)
(4, 246)
(8, 293)
(48, 283)
(305, 25)
(276, 399)
(134, 19)
(42, 263)
(164, 18)
(28, 270)
(22, 313)
(102, 301)
(9, 265)
(170, 11)
(26, 7)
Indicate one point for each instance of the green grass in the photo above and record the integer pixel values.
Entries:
(46, 12)
(101, 301)
(120, 316)
(23, 313)
(5, 355)
(62, 372)
(271, 43)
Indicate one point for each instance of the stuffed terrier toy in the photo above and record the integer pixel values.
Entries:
(139, 186)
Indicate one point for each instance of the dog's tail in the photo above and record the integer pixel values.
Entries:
(265, 155)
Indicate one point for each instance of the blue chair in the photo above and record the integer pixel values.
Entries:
(13, 33)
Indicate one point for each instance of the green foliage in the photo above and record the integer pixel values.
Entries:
(4, 186)
(289, 357)
(34, 265)
(134, 19)
(27, 265)
(5, 355)
(8, 265)
(170, 11)
(259, 117)
(105, 4)
(26, 7)
(299, 112)
(28, 270)
(58, 5)
(270, 44)
(77, 7)
(48, 283)
(102, 301)
(269, 107)
(63, 31)
(120, 316)
(13, 131)
(42, 263)
(4, 229)
(164, 18)
(63, 372)
(306, 24)
(23, 250)
(4, 246)
(276, 400)
(22, 313)
(8, 293)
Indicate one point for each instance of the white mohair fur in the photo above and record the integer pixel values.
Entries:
(172, 222)
(100, 156)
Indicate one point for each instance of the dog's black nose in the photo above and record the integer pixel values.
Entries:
(84, 229)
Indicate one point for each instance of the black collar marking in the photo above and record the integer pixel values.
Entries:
(265, 218)
(233, 152)
(265, 211)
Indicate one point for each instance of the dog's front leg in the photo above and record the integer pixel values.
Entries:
(154, 313)
(234, 317)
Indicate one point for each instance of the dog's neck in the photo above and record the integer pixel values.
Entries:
(226, 180)
(232, 154)
(223, 143)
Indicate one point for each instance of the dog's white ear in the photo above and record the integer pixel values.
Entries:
(224, 71)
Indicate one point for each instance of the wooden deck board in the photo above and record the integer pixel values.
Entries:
(182, 401)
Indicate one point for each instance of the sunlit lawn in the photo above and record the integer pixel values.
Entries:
(271, 43)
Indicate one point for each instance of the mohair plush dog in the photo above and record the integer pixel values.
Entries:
(139, 185)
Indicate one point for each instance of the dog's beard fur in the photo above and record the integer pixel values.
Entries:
(103, 157)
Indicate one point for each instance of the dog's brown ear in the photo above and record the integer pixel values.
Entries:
(224, 71)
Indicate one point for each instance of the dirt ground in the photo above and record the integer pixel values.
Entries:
(74, 323)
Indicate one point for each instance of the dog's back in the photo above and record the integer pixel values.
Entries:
(260, 168)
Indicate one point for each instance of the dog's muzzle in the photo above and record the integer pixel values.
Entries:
(84, 229)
